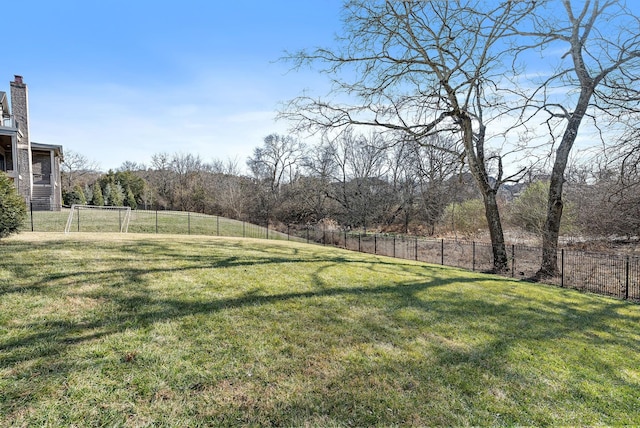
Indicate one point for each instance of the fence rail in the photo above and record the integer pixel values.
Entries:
(607, 274)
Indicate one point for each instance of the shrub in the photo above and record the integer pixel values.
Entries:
(529, 210)
(76, 196)
(467, 218)
(13, 209)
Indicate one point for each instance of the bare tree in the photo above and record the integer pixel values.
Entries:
(131, 166)
(161, 179)
(610, 202)
(419, 180)
(598, 72)
(278, 161)
(358, 183)
(275, 163)
(436, 172)
(403, 185)
(75, 166)
(189, 192)
(229, 189)
(422, 68)
(310, 199)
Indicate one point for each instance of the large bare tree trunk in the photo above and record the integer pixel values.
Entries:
(551, 231)
(475, 157)
(500, 259)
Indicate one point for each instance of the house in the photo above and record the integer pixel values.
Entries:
(33, 167)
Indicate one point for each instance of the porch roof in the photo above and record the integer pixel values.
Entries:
(49, 147)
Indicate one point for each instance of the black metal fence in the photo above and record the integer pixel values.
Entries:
(606, 274)
(146, 221)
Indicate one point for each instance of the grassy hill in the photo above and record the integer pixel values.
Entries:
(164, 222)
(142, 329)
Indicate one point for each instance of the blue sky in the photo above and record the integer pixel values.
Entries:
(121, 80)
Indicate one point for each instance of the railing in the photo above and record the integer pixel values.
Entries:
(42, 178)
(8, 122)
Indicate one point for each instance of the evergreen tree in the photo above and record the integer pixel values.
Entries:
(131, 180)
(88, 194)
(13, 209)
(106, 193)
(130, 199)
(98, 198)
(116, 195)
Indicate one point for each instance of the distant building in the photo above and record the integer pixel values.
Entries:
(33, 167)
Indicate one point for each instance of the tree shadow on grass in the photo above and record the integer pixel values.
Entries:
(503, 317)
(132, 304)
(158, 252)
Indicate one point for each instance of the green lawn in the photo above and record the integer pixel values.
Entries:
(141, 221)
(159, 330)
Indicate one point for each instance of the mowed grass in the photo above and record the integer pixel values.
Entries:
(137, 330)
(141, 221)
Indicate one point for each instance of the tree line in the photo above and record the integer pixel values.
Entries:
(361, 182)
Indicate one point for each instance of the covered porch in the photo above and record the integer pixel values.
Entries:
(46, 193)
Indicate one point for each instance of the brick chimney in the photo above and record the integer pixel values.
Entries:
(20, 105)
(20, 112)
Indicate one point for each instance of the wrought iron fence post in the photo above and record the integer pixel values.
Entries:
(626, 279)
(562, 267)
(513, 260)
(473, 252)
(267, 229)
(359, 243)
(31, 204)
(394, 246)
(442, 252)
(416, 248)
(78, 220)
(375, 244)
